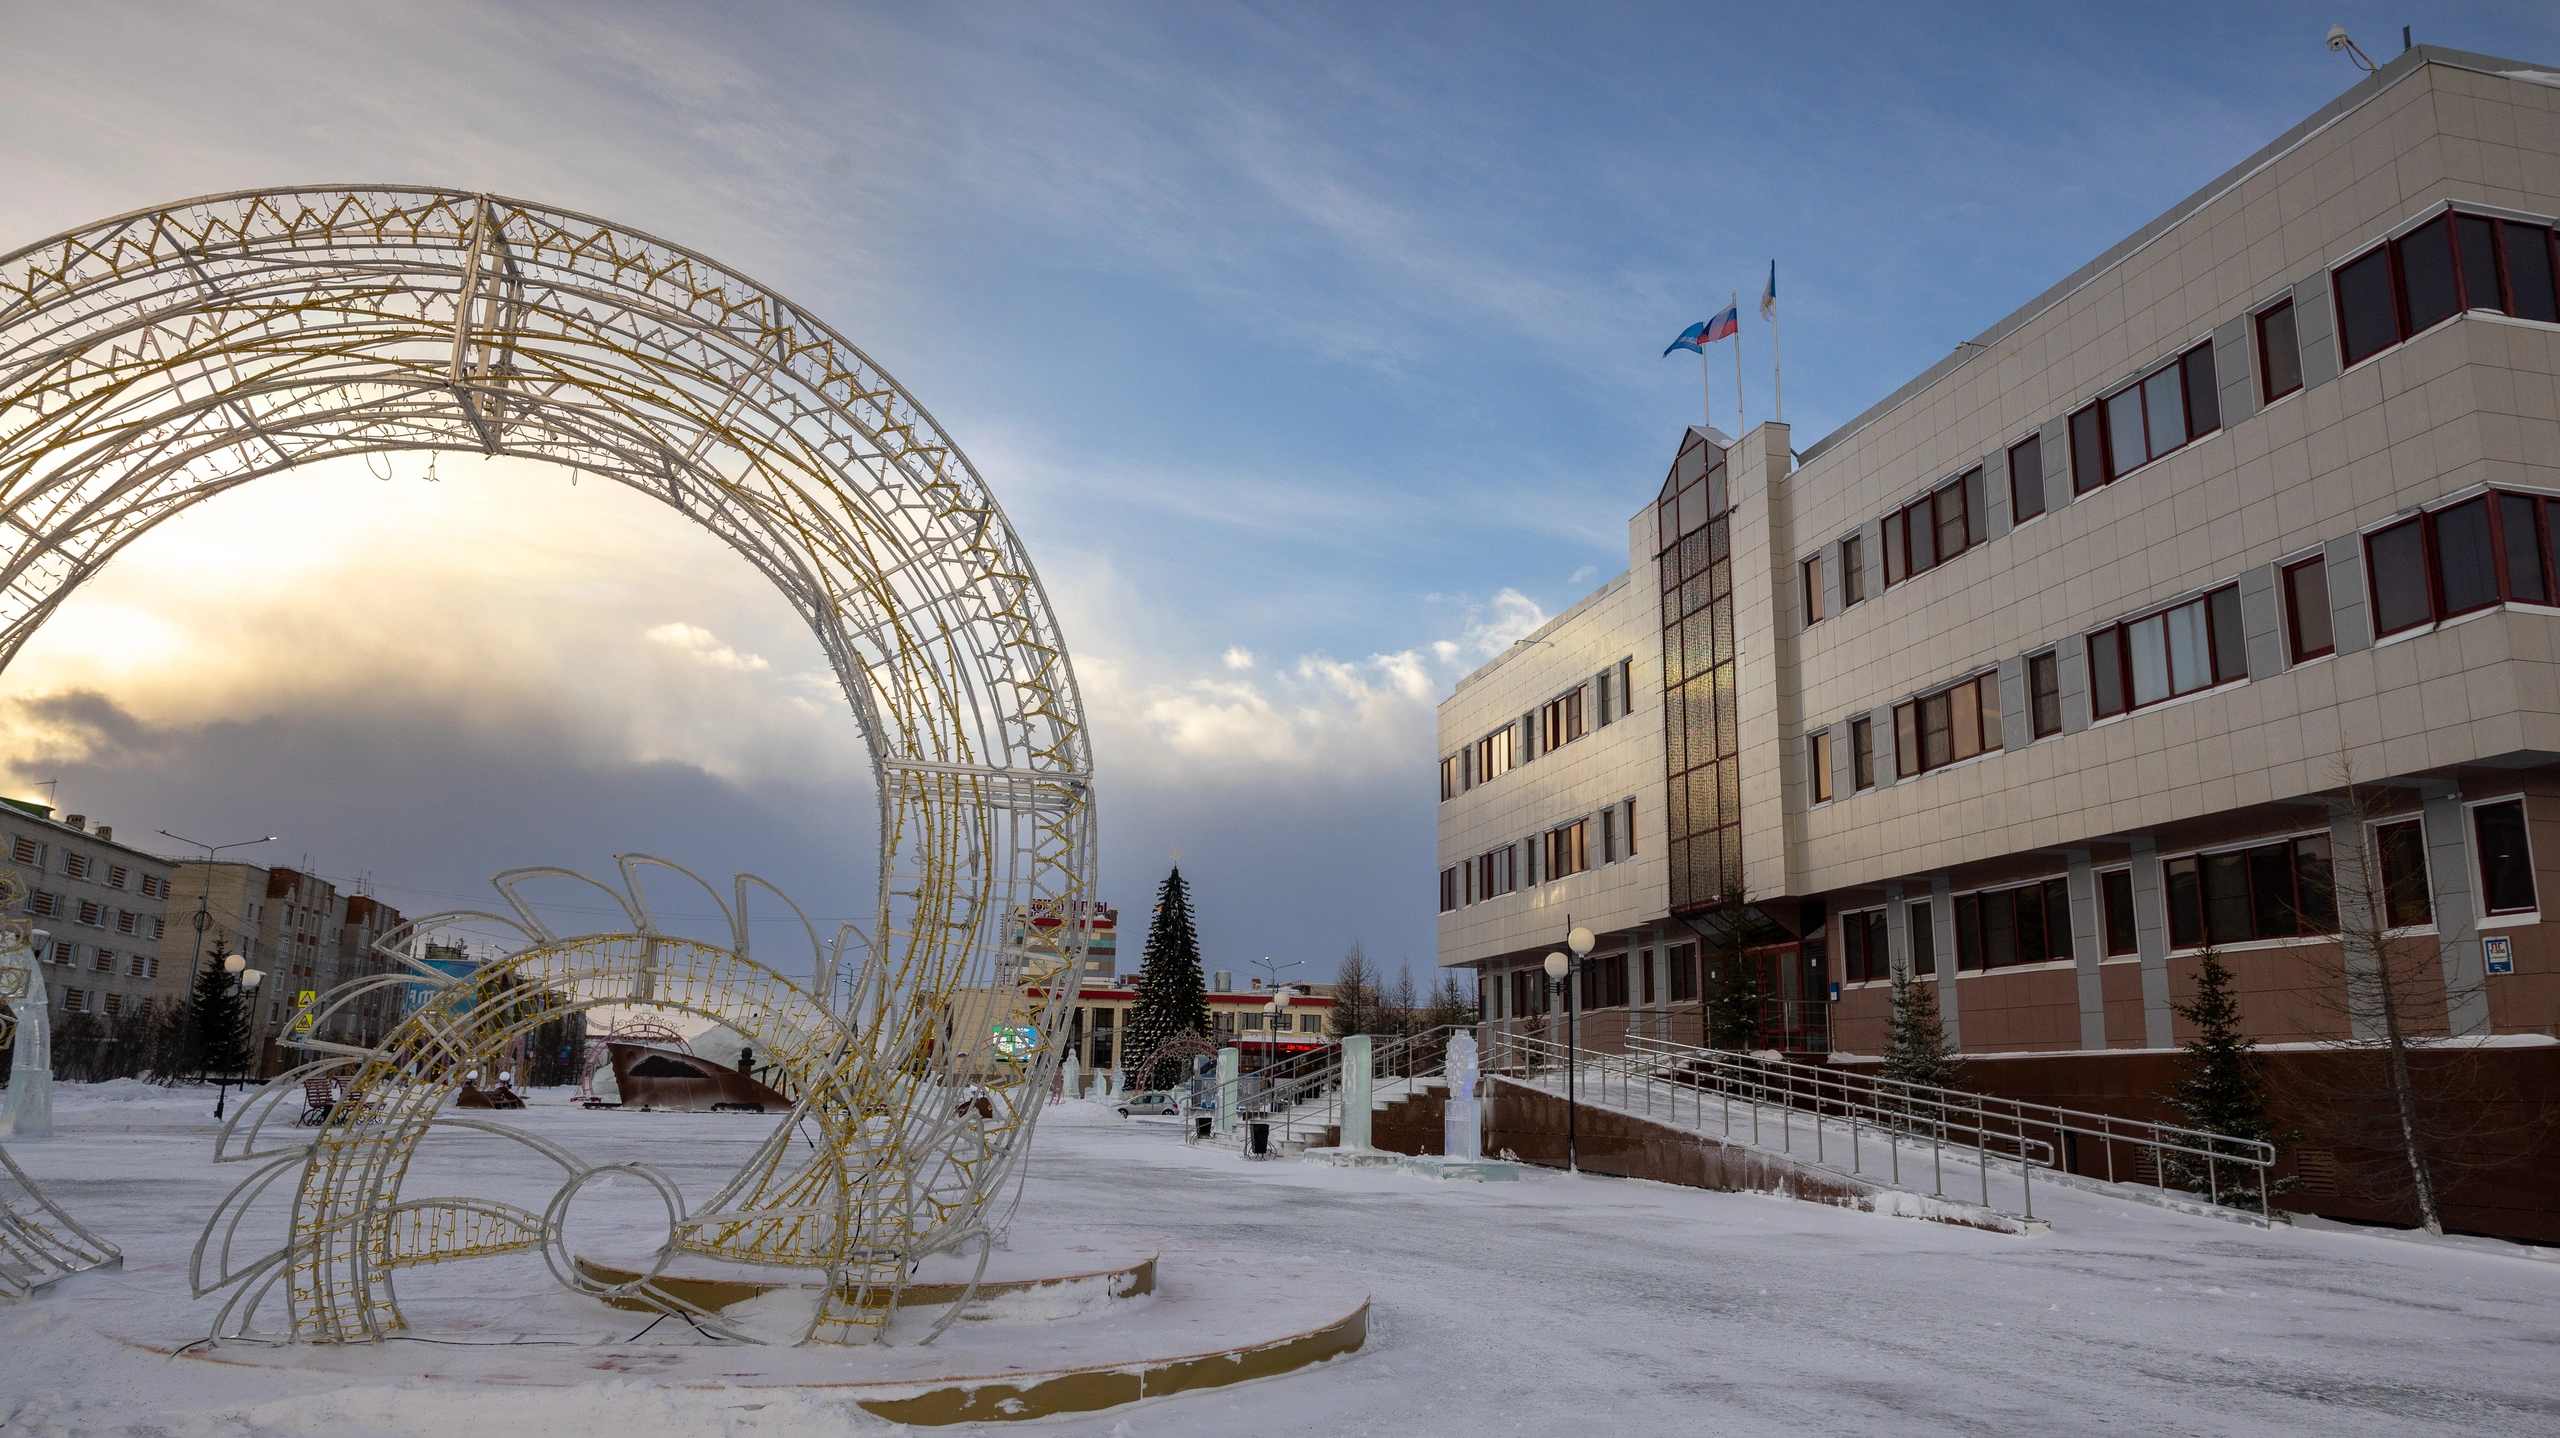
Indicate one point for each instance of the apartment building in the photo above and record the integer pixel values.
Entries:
(103, 906)
(294, 927)
(2099, 642)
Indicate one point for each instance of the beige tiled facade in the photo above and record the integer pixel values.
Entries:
(2426, 719)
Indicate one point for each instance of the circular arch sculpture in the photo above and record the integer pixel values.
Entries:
(158, 359)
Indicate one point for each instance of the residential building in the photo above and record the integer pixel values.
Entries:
(297, 929)
(103, 906)
(2111, 636)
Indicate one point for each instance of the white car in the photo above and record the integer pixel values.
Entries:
(1150, 1103)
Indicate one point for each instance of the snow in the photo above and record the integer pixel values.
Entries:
(1559, 1304)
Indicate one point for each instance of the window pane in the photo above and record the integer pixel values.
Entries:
(2271, 913)
(1989, 684)
(2313, 887)
(2226, 898)
(1953, 532)
(2044, 694)
(2479, 240)
(2147, 645)
(2088, 461)
(1812, 592)
(1906, 740)
(2186, 903)
(2125, 451)
(2026, 479)
(1964, 709)
(2230, 649)
(1862, 753)
(2306, 600)
(1821, 767)
(2279, 354)
(2464, 558)
(1853, 948)
(1969, 932)
(1977, 514)
(2000, 929)
(1896, 569)
(2529, 273)
(2106, 672)
(2506, 864)
(2521, 537)
(1922, 527)
(1853, 571)
(2058, 943)
(2190, 661)
(2367, 319)
(1924, 940)
(2204, 401)
(1936, 739)
(2399, 562)
(2168, 412)
(2404, 874)
(2115, 891)
(2426, 273)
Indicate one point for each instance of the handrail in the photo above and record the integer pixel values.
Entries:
(1305, 1097)
(1658, 1074)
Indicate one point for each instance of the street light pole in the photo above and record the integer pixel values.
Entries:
(204, 905)
(1580, 940)
(246, 980)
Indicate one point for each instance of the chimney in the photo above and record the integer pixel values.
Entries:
(106, 833)
(76, 821)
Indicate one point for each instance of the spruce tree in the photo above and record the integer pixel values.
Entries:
(1736, 999)
(2221, 1088)
(1916, 1049)
(1173, 999)
(221, 1023)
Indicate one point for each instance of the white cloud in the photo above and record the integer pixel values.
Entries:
(705, 646)
(1239, 657)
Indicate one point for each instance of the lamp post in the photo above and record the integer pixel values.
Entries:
(204, 900)
(1279, 1016)
(246, 980)
(1580, 940)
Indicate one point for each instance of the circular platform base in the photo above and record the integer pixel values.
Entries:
(1068, 1343)
(1112, 1269)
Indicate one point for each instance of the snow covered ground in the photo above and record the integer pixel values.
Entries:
(1557, 1305)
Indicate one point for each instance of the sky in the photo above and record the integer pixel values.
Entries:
(1313, 350)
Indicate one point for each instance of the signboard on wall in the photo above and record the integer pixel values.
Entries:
(2500, 951)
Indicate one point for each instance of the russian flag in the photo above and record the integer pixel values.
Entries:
(1698, 337)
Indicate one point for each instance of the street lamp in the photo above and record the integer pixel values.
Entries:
(1580, 940)
(246, 979)
(204, 900)
(1279, 1016)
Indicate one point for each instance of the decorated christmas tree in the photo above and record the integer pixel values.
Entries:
(1173, 998)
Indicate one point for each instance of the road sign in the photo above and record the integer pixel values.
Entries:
(302, 1018)
(2500, 951)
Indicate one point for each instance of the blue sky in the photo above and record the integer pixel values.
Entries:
(1314, 349)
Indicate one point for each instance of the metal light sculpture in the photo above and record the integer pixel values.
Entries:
(156, 360)
(39, 1242)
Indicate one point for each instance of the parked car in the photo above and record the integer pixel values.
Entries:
(1152, 1103)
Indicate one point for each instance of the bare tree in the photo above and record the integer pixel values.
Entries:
(1355, 994)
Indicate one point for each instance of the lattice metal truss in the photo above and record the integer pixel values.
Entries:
(159, 359)
(39, 1242)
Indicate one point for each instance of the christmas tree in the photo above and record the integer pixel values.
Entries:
(1173, 999)
(2221, 1088)
(221, 1021)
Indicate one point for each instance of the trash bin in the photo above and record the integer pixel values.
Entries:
(1259, 1135)
(1200, 1125)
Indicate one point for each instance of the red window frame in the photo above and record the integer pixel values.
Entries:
(2293, 611)
(2504, 235)
(2500, 505)
(2118, 936)
(1910, 718)
(2220, 668)
(1963, 494)
(2267, 392)
(2020, 483)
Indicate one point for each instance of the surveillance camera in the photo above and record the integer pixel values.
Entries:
(2338, 37)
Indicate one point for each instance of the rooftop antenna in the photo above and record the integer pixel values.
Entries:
(48, 786)
(2338, 41)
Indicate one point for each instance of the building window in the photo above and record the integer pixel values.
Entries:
(1924, 941)
(1811, 573)
(1609, 835)
(2273, 891)
(2044, 693)
(74, 1001)
(1448, 891)
(1947, 727)
(1819, 756)
(1862, 753)
(1452, 777)
(1496, 751)
(1560, 722)
(1865, 954)
(2306, 607)
(1627, 823)
(2506, 858)
(1626, 687)
(1568, 849)
(1603, 691)
(1999, 928)
(2088, 452)
(154, 887)
(76, 865)
(1494, 876)
(2405, 901)
(1683, 964)
(2115, 902)
(2279, 354)
(116, 876)
(2492, 548)
(94, 915)
(2179, 650)
(2026, 479)
(1934, 528)
(2170, 407)
(2452, 263)
(1853, 571)
(103, 962)
(26, 851)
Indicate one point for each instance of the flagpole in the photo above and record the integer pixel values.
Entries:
(1707, 379)
(1777, 376)
(1739, 423)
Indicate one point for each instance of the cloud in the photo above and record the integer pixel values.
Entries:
(705, 647)
(1239, 658)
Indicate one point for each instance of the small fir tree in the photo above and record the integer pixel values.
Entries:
(1737, 1000)
(1173, 998)
(2221, 1088)
(221, 1024)
(1916, 1050)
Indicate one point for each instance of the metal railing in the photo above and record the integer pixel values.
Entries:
(1783, 1105)
(1301, 1097)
